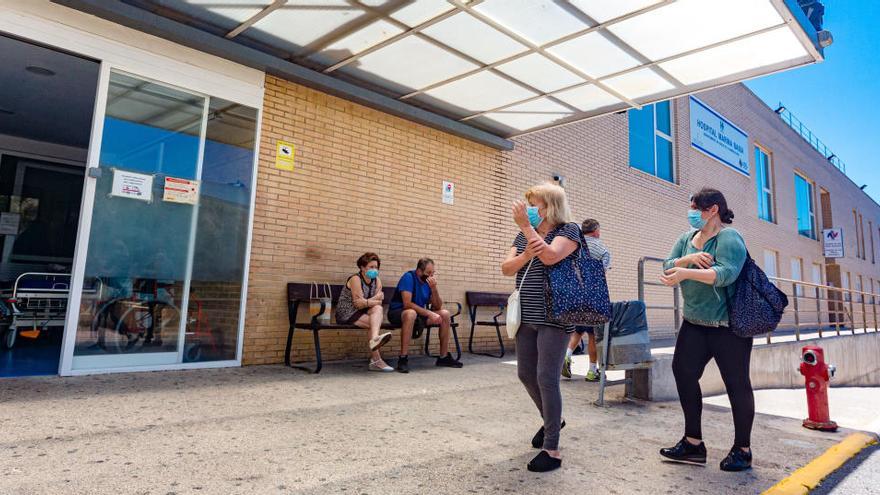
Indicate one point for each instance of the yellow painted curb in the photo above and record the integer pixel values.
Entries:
(808, 477)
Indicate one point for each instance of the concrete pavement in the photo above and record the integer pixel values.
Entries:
(269, 429)
(856, 408)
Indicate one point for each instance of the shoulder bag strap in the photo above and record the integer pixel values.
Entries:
(526, 274)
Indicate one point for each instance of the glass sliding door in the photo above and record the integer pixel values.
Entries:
(136, 268)
(164, 273)
(221, 233)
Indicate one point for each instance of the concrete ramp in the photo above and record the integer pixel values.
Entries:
(857, 358)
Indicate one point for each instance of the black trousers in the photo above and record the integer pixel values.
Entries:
(695, 346)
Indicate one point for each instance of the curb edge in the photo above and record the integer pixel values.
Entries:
(808, 477)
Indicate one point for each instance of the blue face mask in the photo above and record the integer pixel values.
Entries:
(695, 218)
(534, 218)
(372, 274)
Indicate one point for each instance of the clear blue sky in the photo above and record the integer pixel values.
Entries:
(839, 99)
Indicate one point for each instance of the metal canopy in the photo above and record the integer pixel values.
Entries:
(512, 67)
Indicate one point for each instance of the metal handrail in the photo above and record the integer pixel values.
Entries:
(811, 138)
(676, 305)
(840, 309)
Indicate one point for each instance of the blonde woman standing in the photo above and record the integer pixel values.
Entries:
(547, 236)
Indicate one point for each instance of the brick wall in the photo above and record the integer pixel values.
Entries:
(365, 180)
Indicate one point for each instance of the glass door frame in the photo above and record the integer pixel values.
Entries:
(94, 170)
(144, 56)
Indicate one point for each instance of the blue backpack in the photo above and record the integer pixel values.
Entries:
(757, 305)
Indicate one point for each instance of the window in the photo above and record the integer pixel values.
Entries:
(856, 230)
(844, 284)
(771, 262)
(650, 140)
(806, 212)
(858, 287)
(871, 233)
(817, 279)
(862, 235)
(764, 183)
(797, 274)
(817, 274)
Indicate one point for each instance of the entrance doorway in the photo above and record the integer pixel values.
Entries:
(46, 111)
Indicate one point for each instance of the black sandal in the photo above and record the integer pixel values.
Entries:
(538, 439)
(543, 462)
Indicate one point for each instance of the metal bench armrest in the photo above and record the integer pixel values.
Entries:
(315, 322)
(457, 310)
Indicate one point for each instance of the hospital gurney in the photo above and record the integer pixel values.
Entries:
(32, 304)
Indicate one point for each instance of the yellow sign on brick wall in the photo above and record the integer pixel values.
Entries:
(284, 153)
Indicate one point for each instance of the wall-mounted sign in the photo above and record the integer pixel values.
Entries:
(718, 137)
(448, 193)
(832, 243)
(284, 153)
(132, 185)
(183, 191)
(9, 223)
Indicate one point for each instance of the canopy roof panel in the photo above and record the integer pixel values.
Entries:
(511, 67)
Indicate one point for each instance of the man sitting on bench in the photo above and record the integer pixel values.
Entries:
(415, 290)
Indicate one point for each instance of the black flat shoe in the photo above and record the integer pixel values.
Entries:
(538, 439)
(543, 462)
(737, 460)
(686, 452)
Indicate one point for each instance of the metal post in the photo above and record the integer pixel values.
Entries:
(797, 320)
(874, 306)
(819, 310)
(852, 312)
(642, 279)
(838, 305)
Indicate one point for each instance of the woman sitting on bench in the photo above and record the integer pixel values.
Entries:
(360, 304)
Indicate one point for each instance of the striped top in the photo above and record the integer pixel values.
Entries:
(531, 297)
(598, 251)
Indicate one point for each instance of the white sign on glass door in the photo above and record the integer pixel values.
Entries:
(132, 185)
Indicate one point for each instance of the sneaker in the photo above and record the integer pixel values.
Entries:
(592, 376)
(737, 460)
(379, 340)
(402, 364)
(538, 439)
(566, 367)
(448, 361)
(686, 452)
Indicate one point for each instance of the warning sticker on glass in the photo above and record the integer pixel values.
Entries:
(132, 185)
(183, 191)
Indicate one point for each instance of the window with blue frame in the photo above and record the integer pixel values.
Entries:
(764, 184)
(806, 212)
(650, 140)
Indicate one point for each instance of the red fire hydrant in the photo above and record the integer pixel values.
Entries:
(817, 373)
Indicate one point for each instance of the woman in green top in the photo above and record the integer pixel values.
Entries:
(705, 263)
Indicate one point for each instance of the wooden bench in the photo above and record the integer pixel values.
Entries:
(298, 295)
(476, 300)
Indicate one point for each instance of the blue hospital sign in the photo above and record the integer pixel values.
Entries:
(718, 137)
